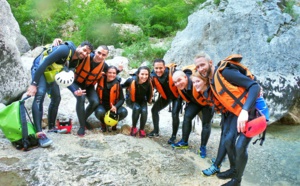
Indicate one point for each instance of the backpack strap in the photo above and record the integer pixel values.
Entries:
(68, 59)
(25, 140)
(261, 139)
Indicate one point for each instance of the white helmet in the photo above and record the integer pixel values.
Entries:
(64, 78)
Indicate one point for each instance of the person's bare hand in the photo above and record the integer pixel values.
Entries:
(57, 42)
(31, 91)
(113, 108)
(79, 92)
(241, 121)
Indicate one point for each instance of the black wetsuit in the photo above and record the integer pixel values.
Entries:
(139, 107)
(161, 103)
(106, 105)
(233, 143)
(191, 110)
(91, 94)
(58, 55)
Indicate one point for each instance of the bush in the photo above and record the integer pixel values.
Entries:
(141, 52)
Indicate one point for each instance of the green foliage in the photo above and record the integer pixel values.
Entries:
(217, 2)
(270, 38)
(92, 20)
(289, 9)
(139, 52)
(156, 18)
(38, 19)
(127, 38)
(43, 20)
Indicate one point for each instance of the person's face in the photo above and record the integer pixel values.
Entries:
(198, 83)
(180, 82)
(143, 76)
(159, 68)
(83, 51)
(100, 55)
(203, 67)
(111, 74)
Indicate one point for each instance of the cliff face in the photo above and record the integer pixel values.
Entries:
(267, 38)
(13, 80)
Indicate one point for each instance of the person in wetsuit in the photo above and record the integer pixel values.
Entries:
(87, 74)
(233, 142)
(40, 85)
(139, 92)
(111, 96)
(195, 104)
(162, 81)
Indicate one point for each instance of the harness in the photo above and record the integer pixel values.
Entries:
(230, 96)
(172, 86)
(212, 101)
(114, 93)
(84, 74)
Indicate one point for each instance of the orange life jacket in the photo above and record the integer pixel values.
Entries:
(83, 73)
(230, 96)
(172, 86)
(132, 91)
(189, 68)
(198, 97)
(114, 93)
(212, 101)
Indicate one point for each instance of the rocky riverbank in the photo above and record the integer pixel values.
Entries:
(113, 158)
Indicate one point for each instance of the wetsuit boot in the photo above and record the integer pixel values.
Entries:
(233, 182)
(230, 173)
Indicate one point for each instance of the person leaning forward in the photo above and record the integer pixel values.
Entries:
(59, 55)
(195, 104)
(233, 141)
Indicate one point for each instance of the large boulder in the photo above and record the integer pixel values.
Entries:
(13, 80)
(267, 38)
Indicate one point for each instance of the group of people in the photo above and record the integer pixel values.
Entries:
(204, 88)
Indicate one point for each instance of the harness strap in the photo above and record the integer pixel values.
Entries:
(68, 59)
(224, 89)
(261, 139)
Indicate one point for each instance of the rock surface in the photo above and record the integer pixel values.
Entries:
(13, 80)
(112, 158)
(260, 31)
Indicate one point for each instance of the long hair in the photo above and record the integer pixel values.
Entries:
(143, 68)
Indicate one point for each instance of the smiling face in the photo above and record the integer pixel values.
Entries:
(143, 76)
(100, 55)
(82, 51)
(159, 68)
(111, 74)
(199, 83)
(204, 67)
(180, 80)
